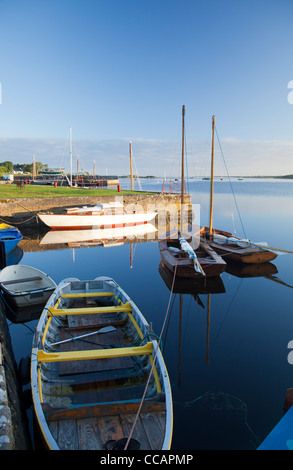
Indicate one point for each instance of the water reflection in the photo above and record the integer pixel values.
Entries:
(251, 270)
(13, 257)
(239, 349)
(103, 236)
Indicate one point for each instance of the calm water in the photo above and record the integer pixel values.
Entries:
(228, 363)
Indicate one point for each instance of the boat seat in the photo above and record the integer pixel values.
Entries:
(25, 279)
(127, 307)
(87, 294)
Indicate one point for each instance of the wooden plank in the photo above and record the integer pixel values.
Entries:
(153, 429)
(24, 279)
(43, 357)
(89, 437)
(110, 428)
(99, 320)
(94, 342)
(92, 380)
(90, 310)
(138, 433)
(102, 409)
(161, 415)
(87, 294)
(67, 435)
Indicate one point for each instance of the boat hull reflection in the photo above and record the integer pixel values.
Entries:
(99, 236)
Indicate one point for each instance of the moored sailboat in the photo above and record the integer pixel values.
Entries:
(224, 243)
(100, 215)
(176, 248)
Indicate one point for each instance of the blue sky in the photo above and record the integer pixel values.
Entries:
(120, 70)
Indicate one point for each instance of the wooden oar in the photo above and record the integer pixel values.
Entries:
(105, 329)
(271, 248)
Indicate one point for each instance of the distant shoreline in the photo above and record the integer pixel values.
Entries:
(216, 176)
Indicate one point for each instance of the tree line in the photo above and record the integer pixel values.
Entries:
(7, 167)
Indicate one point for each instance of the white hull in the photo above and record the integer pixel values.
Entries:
(67, 220)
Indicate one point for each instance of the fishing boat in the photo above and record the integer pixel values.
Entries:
(227, 245)
(97, 374)
(22, 286)
(107, 215)
(178, 255)
(176, 248)
(10, 236)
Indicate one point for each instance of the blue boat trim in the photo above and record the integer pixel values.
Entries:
(281, 437)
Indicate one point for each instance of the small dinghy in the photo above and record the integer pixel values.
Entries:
(98, 377)
(22, 286)
(10, 236)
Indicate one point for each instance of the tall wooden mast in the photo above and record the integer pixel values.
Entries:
(212, 179)
(182, 162)
(131, 172)
(70, 138)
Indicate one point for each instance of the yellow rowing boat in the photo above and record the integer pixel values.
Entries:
(98, 377)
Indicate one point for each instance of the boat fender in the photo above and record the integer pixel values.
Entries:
(26, 398)
(24, 370)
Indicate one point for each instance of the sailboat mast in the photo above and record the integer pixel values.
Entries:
(70, 158)
(34, 168)
(131, 173)
(212, 179)
(182, 162)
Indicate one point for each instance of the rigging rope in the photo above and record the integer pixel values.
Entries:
(187, 179)
(230, 184)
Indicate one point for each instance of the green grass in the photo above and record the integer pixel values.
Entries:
(11, 191)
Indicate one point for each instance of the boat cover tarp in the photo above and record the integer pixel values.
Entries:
(191, 254)
(223, 240)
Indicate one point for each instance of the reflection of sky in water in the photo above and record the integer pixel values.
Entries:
(245, 335)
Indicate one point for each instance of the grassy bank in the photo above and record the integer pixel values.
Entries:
(11, 191)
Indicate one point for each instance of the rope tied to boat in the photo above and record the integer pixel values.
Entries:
(153, 364)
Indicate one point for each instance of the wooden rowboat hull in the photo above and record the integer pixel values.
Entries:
(249, 254)
(192, 285)
(87, 391)
(211, 263)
